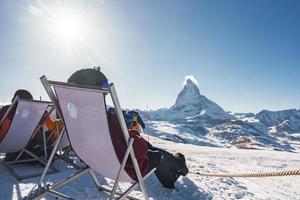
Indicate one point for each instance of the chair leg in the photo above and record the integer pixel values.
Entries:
(59, 195)
(103, 189)
(44, 144)
(40, 160)
(8, 165)
(98, 185)
(67, 160)
(17, 158)
(139, 176)
(94, 177)
(70, 179)
(128, 191)
(51, 190)
(125, 158)
(34, 156)
(131, 188)
(21, 161)
(50, 159)
(10, 170)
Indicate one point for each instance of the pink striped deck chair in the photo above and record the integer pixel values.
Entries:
(27, 117)
(83, 109)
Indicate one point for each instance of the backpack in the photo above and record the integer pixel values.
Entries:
(170, 168)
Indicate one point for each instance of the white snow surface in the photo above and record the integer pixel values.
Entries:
(191, 187)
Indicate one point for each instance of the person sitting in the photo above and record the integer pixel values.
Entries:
(133, 120)
(52, 128)
(22, 94)
(168, 166)
(6, 122)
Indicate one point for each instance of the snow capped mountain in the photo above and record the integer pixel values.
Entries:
(195, 119)
(190, 104)
(189, 96)
(283, 124)
(271, 118)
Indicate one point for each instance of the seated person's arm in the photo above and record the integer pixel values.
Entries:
(4, 128)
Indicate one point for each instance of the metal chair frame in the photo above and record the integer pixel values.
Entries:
(47, 189)
(9, 165)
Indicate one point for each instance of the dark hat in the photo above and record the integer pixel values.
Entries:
(22, 94)
(89, 76)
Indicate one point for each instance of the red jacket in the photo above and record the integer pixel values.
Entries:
(139, 146)
(6, 123)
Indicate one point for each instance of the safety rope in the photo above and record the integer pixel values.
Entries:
(259, 174)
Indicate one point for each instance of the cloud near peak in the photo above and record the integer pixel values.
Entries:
(192, 78)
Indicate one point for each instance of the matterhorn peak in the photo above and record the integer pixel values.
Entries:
(189, 94)
(191, 86)
(190, 80)
(191, 103)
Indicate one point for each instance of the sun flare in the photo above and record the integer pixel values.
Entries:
(64, 26)
(67, 28)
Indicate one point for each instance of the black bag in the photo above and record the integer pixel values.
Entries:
(170, 168)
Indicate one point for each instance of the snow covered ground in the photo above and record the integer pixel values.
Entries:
(199, 159)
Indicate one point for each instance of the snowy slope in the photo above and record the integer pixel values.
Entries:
(191, 187)
(228, 134)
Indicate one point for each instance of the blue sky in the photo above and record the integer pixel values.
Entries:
(244, 54)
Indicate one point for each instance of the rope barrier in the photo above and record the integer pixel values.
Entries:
(259, 174)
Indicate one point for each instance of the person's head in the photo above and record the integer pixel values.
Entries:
(90, 76)
(22, 94)
(111, 110)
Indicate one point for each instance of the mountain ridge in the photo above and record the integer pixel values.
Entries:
(196, 119)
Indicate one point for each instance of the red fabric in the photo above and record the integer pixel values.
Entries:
(6, 123)
(139, 146)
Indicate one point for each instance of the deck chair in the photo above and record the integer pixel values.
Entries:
(25, 124)
(83, 110)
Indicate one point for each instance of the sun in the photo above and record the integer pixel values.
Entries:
(67, 28)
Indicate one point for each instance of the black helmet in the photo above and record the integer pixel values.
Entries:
(22, 94)
(90, 76)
